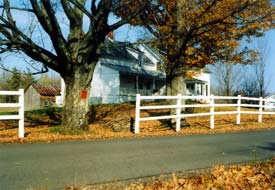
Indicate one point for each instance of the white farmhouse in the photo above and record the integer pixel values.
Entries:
(270, 103)
(199, 85)
(125, 69)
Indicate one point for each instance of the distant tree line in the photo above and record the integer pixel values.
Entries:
(248, 80)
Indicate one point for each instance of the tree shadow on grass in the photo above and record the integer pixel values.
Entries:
(166, 123)
(49, 116)
(101, 112)
(202, 124)
(4, 125)
(154, 113)
(224, 121)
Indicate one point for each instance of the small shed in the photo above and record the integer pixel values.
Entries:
(270, 102)
(38, 96)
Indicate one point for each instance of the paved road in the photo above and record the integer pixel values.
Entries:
(54, 165)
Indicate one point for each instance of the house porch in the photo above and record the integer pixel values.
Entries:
(131, 84)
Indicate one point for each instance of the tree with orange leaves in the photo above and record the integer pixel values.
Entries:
(195, 33)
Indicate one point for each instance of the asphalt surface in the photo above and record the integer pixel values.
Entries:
(55, 165)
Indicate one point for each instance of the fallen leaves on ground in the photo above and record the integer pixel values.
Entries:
(113, 121)
(235, 177)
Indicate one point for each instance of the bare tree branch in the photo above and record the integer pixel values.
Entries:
(68, 11)
(44, 69)
(18, 8)
(93, 7)
(58, 40)
(82, 8)
(129, 17)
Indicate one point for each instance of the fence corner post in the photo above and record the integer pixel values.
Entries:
(239, 101)
(21, 114)
(212, 112)
(178, 112)
(136, 131)
(260, 109)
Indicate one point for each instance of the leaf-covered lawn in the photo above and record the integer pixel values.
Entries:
(234, 177)
(260, 176)
(113, 121)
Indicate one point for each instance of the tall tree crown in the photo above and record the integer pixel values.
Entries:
(196, 33)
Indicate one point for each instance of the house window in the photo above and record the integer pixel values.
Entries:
(140, 85)
(190, 87)
(46, 103)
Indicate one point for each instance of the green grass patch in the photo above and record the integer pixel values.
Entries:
(47, 111)
(9, 113)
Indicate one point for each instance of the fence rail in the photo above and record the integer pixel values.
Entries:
(211, 99)
(19, 105)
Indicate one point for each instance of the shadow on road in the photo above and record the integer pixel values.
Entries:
(270, 146)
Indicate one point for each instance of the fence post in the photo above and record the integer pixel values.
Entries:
(178, 112)
(21, 114)
(212, 112)
(136, 131)
(260, 109)
(239, 101)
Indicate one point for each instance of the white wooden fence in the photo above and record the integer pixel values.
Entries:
(19, 105)
(211, 99)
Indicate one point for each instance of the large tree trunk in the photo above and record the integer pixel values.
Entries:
(77, 92)
(176, 86)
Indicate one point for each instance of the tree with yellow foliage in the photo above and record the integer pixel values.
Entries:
(195, 33)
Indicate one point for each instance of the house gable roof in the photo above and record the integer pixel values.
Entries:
(153, 52)
(136, 71)
(48, 90)
(117, 50)
(194, 80)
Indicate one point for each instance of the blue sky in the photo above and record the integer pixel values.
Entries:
(247, 72)
(270, 62)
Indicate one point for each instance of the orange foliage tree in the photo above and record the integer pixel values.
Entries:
(195, 33)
